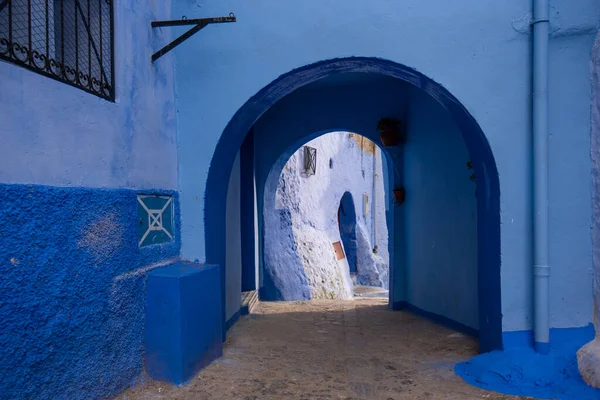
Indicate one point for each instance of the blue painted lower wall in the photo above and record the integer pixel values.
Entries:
(73, 291)
(558, 336)
(439, 319)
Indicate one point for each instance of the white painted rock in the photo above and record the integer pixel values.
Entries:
(588, 360)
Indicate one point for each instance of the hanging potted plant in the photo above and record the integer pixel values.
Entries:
(390, 132)
(399, 195)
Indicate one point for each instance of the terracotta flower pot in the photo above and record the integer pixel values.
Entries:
(390, 137)
(391, 132)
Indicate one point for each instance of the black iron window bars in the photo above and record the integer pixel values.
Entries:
(310, 160)
(67, 40)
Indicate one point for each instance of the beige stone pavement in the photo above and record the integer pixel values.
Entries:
(356, 349)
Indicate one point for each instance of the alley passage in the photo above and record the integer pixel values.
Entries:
(330, 350)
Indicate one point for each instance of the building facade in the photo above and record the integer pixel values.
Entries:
(121, 164)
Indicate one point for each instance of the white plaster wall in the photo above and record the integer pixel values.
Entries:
(312, 202)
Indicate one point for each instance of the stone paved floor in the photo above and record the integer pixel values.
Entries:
(355, 349)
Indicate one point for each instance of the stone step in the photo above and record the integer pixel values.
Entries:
(249, 302)
(370, 292)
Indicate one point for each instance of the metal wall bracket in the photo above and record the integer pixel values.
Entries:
(199, 24)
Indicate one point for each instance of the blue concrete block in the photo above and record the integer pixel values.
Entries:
(183, 321)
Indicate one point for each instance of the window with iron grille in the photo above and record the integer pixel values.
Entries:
(310, 160)
(67, 40)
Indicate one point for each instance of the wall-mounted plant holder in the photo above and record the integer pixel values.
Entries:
(399, 195)
(391, 132)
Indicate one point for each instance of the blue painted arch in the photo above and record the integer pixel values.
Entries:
(347, 225)
(488, 185)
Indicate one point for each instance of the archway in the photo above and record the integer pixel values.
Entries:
(487, 183)
(347, 227)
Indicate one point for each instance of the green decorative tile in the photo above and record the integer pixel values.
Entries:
(155, 219)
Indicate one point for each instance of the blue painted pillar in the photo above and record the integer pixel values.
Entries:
(247, 203)
(183, 321)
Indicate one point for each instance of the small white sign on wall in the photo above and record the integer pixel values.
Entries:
(365, 204)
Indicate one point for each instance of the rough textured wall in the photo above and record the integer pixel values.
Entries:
(73, 277)
(300, 261)
(72, 309)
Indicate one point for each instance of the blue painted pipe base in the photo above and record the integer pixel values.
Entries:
(183, 321)
(542, 347)
(522, 370)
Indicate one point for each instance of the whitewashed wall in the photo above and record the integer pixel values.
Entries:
(345, 162)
